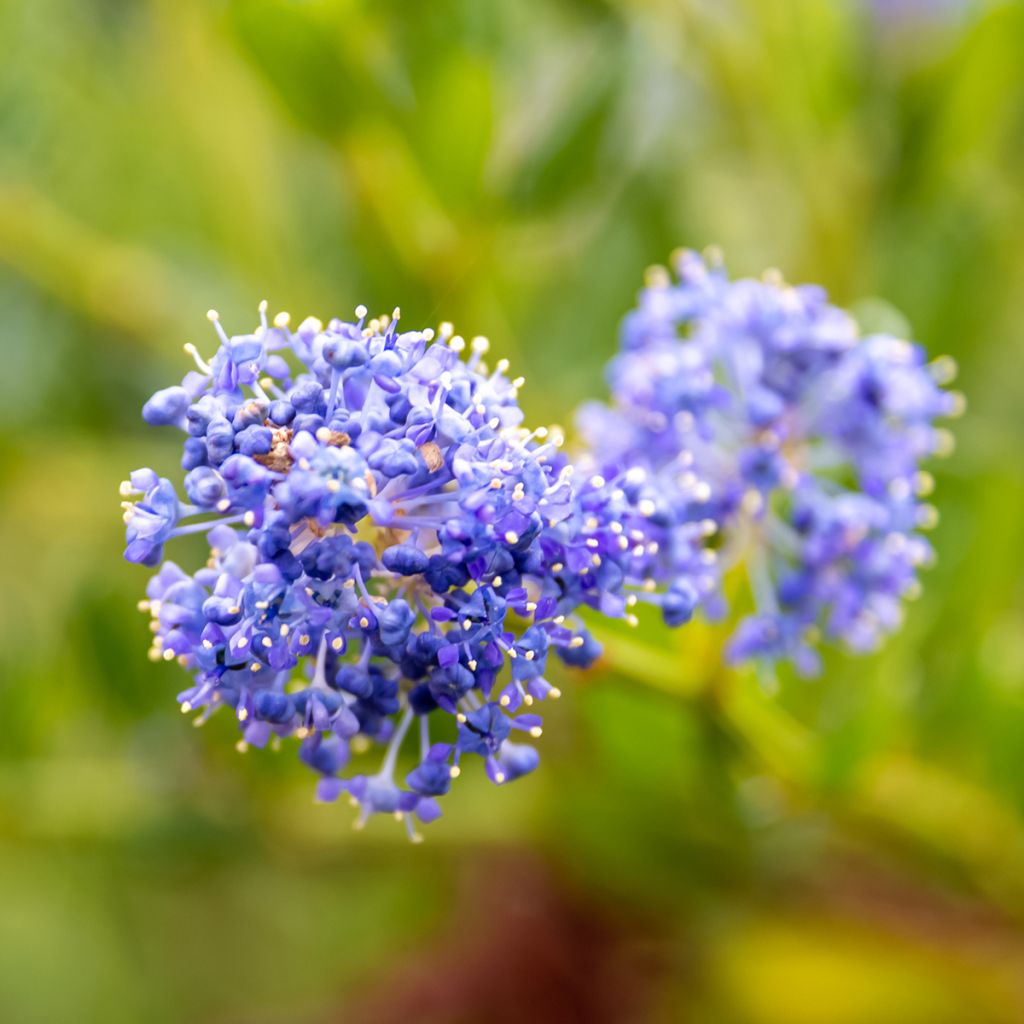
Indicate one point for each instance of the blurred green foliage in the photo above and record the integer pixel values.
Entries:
(850, 851)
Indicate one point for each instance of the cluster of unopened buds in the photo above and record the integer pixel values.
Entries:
(393, 556)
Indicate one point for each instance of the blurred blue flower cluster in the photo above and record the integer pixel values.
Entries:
(393, 555)
(762, 408)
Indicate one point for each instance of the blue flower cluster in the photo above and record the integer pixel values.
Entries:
(760, 409)
(392, 555)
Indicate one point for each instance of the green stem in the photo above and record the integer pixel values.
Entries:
(914, 800)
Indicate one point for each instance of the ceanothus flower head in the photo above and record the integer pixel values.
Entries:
(389, 549)
(761, 410)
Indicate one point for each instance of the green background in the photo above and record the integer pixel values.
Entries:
(852, 851)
